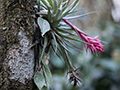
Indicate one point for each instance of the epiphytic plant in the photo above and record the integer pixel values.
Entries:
(53, 30)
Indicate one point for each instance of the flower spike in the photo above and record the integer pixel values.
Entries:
(93, 44)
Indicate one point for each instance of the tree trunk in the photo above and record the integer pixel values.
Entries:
(16, 60)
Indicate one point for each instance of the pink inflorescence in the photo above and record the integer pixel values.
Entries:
(93, 44)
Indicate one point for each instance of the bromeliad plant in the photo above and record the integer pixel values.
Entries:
(53, 30)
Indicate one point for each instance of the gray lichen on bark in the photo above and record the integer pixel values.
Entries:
(21, 59)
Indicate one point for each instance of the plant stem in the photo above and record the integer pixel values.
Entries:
(70, 65)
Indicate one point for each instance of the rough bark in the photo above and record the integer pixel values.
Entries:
(16, 60)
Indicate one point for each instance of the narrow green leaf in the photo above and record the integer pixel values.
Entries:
(71, 7)
(58, 15)
(71, 37)
(39, 80)
(41, 13)
(55, 41)
(82, 15)
(50, 19)
(65, 27)
(73, 4)
(59, 3)
(73, 45)
(44, 25)
(66, 58)
(64, 46)
(75, 39)
(67, 38)
(58, 53)
(64, 6)
(55, 7)
(73, 12)
(45, 3)
(67, 31)
(60, 41)
(50, 2)
(43, 6)
(48, 74)
(44, 46)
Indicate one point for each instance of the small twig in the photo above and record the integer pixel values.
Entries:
(77, 77)
(76, 69)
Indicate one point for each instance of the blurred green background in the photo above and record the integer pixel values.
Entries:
(100, 72)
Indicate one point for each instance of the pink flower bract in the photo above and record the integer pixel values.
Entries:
(93, 44)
